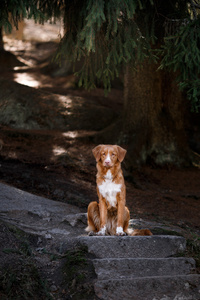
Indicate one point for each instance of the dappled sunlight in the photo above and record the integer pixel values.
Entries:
(31, 31)
(14, 45)
(39, 32)
(70, 134)
(12, 154)
(78, 133)
(26, 79)
(65, 100)
(57, 150)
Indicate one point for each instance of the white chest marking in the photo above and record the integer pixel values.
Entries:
(108, 175)
(108, 189)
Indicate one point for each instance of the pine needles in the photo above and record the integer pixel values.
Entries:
(181, 54)
(107, 34)
(106, 37)
(13, 11)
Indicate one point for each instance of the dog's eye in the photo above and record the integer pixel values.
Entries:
(103, 154)
(113, 154)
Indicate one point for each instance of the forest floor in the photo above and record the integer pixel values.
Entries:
(59, 165)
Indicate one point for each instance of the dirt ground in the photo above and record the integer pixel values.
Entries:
(59, 164)
(153, 194)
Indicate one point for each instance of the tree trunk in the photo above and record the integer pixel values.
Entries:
(153, 119)
(1, 39)
(155, 111)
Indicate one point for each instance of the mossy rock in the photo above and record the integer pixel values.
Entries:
(79, 274)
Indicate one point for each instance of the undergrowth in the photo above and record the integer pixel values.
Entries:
(193, 250)
(22, 281)
(19, 275)
(79, 274)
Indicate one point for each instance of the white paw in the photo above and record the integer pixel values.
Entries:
(119, 231)
(102, 231)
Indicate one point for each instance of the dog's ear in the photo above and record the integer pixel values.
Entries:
(97, 152)
(121, 153)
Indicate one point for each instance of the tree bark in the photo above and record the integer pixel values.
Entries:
(153, 118)
(152, 127)
(1, 39)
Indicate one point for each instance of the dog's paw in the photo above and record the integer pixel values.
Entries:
(92, 233)
(102, 231)
(120, 232)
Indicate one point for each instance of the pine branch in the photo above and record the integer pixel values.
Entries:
(193, 5)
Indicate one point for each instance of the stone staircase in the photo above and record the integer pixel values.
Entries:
(142, 268)
(126, 268)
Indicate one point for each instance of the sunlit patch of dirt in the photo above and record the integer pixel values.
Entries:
(26, 79)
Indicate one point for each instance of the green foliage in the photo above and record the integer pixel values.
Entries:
(13, 11)
(109, 34)
(193, 249)
(22, 281)
(74, 261)
(79, 274)
(181, 54)
(106, 36)
(19, 276)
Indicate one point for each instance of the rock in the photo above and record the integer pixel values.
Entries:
(23, 107)
(119, 268)
(129, 267)
(8, 61)
(36, 215)
(77, 219)
(150, 288)
(141, 268)
(128, 246)
(48, 236)
(53, 288)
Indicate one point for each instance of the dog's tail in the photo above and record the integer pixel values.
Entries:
(141, 232)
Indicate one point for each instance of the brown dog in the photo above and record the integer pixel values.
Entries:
(110, 216)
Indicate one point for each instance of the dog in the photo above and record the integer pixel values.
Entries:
(110, 216)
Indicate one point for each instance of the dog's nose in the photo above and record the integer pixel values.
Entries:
(107, 162)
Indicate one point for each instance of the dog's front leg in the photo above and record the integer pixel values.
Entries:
(120, 217)
(103, 216)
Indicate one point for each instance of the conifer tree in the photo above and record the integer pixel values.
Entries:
(112, 33)
(155, 41)
(158, 43)
(13, 11)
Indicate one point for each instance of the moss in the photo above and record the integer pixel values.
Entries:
(79, 274)
(23, 245)
(193, 250)
(163, 231)
(22, 281)
(19, 275)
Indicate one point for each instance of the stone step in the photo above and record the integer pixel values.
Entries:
(120, 268)
(133, 246)
(186, 287)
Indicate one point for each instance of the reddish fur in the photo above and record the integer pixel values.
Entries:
(141, 232)
(102, 214)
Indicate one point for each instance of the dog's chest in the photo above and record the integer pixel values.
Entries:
(109, 189)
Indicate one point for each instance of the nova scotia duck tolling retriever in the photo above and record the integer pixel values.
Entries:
(110, 216)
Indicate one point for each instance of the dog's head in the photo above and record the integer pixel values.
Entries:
(109, 154)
